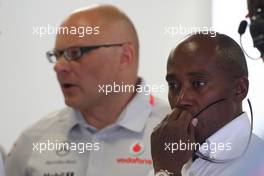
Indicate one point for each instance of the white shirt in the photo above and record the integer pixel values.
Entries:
(232, 142)
(234, 136)
(121, 149)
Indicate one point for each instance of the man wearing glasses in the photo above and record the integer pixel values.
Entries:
(207, 132)
(97, 134)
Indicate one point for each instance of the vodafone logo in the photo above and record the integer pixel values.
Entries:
(137, 148)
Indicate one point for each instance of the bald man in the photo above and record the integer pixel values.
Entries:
(101, 132)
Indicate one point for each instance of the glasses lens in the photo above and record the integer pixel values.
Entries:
(51, 56)
(72, 53)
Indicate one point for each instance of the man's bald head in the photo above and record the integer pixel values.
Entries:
(228, 54)
(88, 62)
(114, 25)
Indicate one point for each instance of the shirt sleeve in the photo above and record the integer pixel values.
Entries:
(16, 161)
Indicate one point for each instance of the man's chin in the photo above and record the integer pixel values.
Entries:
(71, 103)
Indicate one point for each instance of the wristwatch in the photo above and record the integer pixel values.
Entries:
(163, 173)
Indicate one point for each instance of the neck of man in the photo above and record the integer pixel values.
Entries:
(237, 112)
(108, 111)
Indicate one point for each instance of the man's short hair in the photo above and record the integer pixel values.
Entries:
(230, 55)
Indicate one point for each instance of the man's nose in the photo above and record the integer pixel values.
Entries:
(62, 66)
(185, 99)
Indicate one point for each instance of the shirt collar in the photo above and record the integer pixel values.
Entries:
(75, 122)
(137, 112)
(133, 117)
(230, 141)
(68, 117)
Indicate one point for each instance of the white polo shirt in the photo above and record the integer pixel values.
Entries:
(231, 142)
(74, 148)
(227, 143)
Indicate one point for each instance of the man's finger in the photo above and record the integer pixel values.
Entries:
(184, 120)
(176, 112)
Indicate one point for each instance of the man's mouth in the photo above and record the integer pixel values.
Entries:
(68, 86)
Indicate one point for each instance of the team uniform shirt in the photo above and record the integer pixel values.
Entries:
(228, 143)
(63, 144)
(253, 164)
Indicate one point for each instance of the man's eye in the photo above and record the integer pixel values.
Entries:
(199, 84)
(73, 53)
(173, 85)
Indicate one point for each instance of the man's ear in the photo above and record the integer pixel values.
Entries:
(242, 85)
(127, 56)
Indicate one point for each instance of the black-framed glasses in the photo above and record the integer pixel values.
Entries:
(74, 53)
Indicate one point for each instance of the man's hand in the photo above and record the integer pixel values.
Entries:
(176, 128)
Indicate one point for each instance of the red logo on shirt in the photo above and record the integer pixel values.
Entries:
(151, 100)
(137, 149)
(134, 160)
